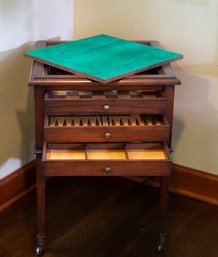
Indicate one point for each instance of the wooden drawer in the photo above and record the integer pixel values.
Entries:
(111, 102)
(131, 159)
(125, 128)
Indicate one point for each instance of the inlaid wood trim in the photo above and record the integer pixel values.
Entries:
(184, 181)
(17, 184)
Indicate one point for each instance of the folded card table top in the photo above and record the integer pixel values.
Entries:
(103, 58)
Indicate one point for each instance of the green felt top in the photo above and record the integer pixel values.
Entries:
(103, 57)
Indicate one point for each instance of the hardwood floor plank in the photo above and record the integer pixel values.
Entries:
(108, 217)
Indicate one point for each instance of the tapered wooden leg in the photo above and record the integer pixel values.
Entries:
(40, 187)
(163, 211)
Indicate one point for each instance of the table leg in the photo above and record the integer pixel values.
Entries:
(163, 211)
(40, 187)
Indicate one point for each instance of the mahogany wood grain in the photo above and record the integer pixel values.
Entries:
(117, 106)
(124, 84)
(169, 110)
(40, 185)
(98, 134)
(39, 117)
(97, 168)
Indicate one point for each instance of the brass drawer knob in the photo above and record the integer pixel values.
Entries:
(107, 134)
(107, 169)
(106, 107)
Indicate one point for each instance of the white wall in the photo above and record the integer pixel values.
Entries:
(186, 26)
(21, 23)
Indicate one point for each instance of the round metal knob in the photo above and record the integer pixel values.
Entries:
(107, 169)
(107, 134)
(106, 107)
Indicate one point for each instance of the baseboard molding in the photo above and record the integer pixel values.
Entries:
(17, 184)
(189, 182)
(184, 181)
(192, 183)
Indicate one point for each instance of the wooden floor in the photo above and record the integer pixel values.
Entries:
(108, 217)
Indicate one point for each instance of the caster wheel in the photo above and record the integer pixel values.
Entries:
(39, 250)
(160, 248)
(162, 242)
(40, 245)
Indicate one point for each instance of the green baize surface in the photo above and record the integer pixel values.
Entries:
(102, 56)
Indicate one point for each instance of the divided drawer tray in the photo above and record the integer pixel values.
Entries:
(101, 159)
(109, 102)
(106, 128)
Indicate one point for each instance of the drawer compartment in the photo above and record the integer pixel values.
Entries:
(114, 159)
(109, 102)
(106, 128)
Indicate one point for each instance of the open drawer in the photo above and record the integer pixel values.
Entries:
(116, 159)
(110, 128)
(108, 102)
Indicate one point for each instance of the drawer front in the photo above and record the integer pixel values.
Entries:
(107, 134)
(100, 168)
(112, 102)
(106, 160)
(105, 107)
(106, 128)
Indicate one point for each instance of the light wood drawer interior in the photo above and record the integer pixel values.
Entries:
(129, 151)
(106, 128)
(105, 121)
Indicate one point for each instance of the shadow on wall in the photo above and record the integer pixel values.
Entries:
(16, 108)
(210, 68)
(195, 134)
(193, 2)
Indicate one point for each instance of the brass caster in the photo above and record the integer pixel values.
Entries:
(39, 250)
(40, 245)
(162, 242)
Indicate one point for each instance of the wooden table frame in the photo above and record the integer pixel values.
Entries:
(163, 80)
